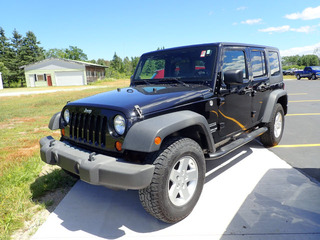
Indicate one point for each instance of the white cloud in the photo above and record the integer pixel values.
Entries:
(305, 29)
(252, 21)
(284, 28)
(300, 50)
(307, 14)
(287, 28)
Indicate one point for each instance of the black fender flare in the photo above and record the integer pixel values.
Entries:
(54, 123)
(140, 137)
(272, 100)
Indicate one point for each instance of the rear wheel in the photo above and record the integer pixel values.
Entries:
(313, 77)
(298, 77)
(275, 127)
(177, 182)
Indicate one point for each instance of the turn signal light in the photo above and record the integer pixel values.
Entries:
(63, 132)
(119, 146)
(157, 140)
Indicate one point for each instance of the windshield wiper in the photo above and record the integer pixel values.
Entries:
(174, 79)
(141, 81)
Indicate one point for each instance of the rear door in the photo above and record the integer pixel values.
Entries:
(260, 81)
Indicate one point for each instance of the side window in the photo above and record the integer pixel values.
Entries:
(274, 63)
(235, 60)
(258, 62)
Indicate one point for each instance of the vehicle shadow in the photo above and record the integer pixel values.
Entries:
(216, 167)
(50, 188)
(103, 212)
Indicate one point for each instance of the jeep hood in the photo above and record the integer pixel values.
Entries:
(150, 99)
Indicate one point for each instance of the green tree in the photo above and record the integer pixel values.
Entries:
(14, 62)
(290, 60)
(116, 63)
(134, 63)
(55, 53)
(103, 62)
(127, 66)
(3, 69)
(4, 45)
(4, 55)
(119, 68)
(308, 60)
(30, 51)
(75, 53)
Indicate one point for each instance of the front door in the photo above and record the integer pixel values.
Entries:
(49, 80)
(234, 100)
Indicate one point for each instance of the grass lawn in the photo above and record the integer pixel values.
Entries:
(285, 77)
(23, 121)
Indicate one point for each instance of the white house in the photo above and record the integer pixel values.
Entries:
(62, 72)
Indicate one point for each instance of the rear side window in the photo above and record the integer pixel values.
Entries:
(258, 62)
(274, 63)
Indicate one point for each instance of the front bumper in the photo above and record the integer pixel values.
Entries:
(96, 169)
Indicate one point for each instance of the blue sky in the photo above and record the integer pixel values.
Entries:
(130, 28)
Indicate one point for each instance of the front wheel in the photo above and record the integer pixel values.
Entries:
(275, 127)
(313, 77)
(177, 181)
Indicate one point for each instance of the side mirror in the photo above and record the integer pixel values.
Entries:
(233, 77)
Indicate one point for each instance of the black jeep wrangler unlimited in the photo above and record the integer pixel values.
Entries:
(184, 106)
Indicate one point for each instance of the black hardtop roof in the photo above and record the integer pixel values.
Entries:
(218, 44)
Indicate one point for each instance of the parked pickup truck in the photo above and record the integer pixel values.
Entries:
(312, 72)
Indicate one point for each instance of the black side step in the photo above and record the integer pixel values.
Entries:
(236, 144)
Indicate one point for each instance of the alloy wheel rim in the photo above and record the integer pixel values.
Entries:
(183, 181)
(278, 125)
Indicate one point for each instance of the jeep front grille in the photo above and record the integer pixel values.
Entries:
(87, 129)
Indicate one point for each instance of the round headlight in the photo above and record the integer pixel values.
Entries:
(119, 124)
(66, 115)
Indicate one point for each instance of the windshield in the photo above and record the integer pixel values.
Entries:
(182, 64)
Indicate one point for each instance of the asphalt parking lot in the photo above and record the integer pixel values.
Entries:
(300, 144)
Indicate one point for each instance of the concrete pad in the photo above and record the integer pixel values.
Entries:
(249, 194)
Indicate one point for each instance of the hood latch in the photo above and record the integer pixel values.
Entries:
(138, 110)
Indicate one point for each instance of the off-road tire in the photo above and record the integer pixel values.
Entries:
(275, 127)
(169, 161)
